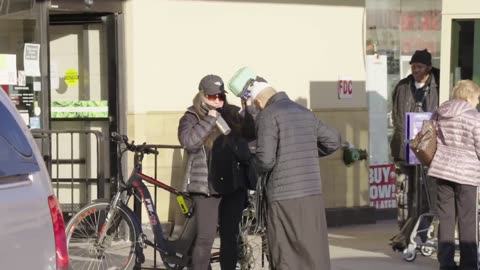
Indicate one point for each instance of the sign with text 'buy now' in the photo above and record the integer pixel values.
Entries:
(345, 87)
(382, 186)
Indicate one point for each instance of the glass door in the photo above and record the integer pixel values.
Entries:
(465, 50)
(84, 92)
(78, 75)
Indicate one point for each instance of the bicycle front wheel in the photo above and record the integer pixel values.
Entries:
(117, 250)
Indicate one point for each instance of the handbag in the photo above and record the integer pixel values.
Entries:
(424, 145)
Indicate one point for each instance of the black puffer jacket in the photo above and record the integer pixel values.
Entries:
(194, 132)
(290, 140)
(403, 101)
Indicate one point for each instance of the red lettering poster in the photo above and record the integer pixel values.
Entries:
(382, 179)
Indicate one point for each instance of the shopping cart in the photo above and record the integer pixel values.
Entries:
(418, 233)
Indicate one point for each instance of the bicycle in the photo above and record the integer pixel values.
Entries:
(108, 235)
(253, 239)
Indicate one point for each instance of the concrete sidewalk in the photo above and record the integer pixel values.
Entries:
(359, 247)
(365, 247)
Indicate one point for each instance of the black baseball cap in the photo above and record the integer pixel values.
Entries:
(211, 85)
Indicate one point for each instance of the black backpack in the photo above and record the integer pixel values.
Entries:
(230, 165)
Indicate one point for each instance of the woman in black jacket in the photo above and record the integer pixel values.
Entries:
(198, 133)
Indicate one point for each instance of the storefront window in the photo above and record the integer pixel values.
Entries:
(20, 66)
(396, 28)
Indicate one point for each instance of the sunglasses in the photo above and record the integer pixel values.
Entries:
(220, 97)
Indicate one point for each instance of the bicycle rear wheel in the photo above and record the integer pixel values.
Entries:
(118, 249)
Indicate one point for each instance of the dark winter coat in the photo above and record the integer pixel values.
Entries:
(290, 140)
(197, 134)
(403, 101)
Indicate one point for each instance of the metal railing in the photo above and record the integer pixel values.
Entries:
(174, 181)
(75, 160)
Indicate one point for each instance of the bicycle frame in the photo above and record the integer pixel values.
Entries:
(172, 251)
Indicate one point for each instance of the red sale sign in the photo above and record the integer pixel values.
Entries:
(382, 180)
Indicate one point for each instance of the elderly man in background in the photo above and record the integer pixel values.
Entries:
(418, 92)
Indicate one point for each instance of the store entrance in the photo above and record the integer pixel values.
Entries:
(84, 93)
(465, 54)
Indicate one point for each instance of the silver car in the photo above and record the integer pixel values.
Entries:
(32, 231)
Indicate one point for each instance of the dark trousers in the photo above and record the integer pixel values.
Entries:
(297, 234)
(206, 211)
(231, 209)
(457, 202)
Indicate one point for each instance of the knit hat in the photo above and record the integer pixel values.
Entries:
(423, 57)
(211, 85)
(257, 88)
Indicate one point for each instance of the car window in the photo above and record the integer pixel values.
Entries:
(16, 155)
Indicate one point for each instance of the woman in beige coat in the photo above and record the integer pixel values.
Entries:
(456, 167)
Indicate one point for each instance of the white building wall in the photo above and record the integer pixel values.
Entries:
(172, 44)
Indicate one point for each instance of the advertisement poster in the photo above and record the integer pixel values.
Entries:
(23, 98)
(71, 77)
(8, 69)
(79, 109)
(31, 59)
(382, 180)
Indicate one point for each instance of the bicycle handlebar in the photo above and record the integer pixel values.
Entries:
(142, 148)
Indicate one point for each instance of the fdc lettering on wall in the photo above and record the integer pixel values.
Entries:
(345, 87)
(382, 186)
